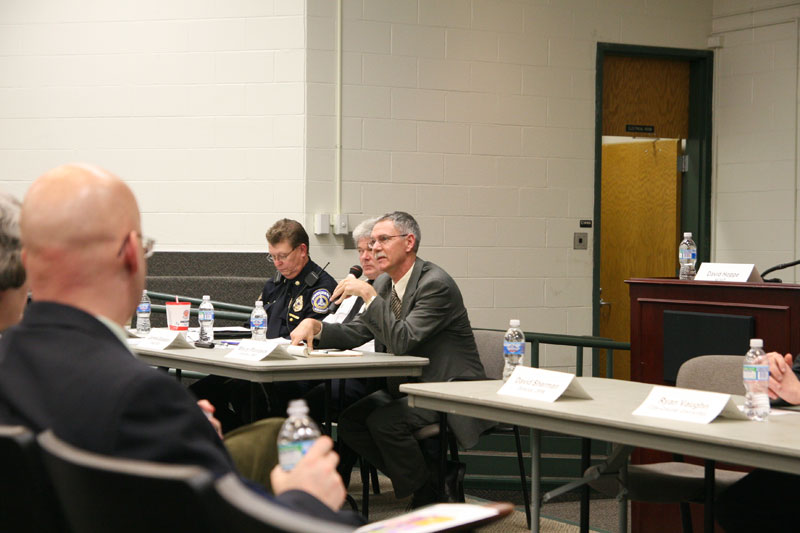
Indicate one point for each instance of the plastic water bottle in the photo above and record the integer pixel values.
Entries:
(687, 256)
(513, 348)
(205, 317)
(258, 322)
(143, 315)
(297, 435)
(755, 373)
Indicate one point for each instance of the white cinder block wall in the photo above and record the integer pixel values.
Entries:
(756, 133)
(475, 115)
(478, 117)
(199, 105)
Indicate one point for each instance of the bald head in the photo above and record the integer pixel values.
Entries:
(81, 235)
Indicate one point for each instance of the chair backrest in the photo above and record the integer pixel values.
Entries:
(101, 493)
(715, 373)
(27, 502)
(243, 511)
(490, 350)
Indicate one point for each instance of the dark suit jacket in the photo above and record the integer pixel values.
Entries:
(61, 368)
(433, 324)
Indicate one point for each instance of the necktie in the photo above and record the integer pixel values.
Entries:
(395, 304)
(354, 310)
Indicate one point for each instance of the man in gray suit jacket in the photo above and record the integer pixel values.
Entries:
(414, 308)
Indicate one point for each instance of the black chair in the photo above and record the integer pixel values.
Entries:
(100, 493)
(27, 502)
(243, 511)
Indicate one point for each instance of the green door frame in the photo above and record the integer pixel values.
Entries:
(696, 182)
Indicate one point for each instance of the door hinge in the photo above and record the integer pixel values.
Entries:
(683, 163)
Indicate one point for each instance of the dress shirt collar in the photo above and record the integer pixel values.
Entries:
(116, 329)
(402, 283)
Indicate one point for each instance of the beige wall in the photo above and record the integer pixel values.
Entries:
(475, 115)
(755, 118)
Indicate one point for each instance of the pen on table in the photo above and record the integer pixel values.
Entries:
(229, 343)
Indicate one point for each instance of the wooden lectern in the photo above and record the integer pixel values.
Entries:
(703, 317)
(773, 309)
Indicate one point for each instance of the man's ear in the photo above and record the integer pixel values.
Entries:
(130, 255)
(410, 242)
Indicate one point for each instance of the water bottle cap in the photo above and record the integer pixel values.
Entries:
(687, 234)
(756, 343)
(514, 323)
(144, 292)
(297, 407)
(206, 297)
(259, 303)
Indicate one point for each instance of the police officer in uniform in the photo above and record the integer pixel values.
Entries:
(300, 289)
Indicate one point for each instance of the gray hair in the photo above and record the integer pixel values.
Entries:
(364, 230)
(405, 223)
(12, 273)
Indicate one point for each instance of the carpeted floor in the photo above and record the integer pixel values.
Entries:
(559, 517)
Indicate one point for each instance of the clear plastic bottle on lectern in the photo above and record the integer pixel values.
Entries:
(258, 322)
(205, 317)
(143, 315)
(755, 374)
(297, 435)
(513, 348)
(687, 256)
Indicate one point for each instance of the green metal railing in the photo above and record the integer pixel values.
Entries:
(224, 310)
(580, 342)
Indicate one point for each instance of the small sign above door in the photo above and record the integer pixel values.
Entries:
(639, 128)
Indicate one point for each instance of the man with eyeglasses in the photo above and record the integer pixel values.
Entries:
(413, 308)
(300, 289)
(67, 366)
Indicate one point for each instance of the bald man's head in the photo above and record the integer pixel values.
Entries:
(81, 234)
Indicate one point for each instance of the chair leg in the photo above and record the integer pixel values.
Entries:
(522, 477)
(365, 466)
(686, 517)
(442, 452)
(376, 486)
(710, 482)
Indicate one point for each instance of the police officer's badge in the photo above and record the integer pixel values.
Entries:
(298, 304)
(320, 300)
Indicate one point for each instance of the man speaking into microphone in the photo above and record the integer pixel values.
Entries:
(414, 308)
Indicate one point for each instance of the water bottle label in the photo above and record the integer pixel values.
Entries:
(755, 372)
(513, 348)
(143, 308)
(258, 322)
(687, 254)
(290, 453)
(205, 315)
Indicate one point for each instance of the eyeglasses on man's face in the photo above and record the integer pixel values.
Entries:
(383, 239)
(148, 245)
(280, 258)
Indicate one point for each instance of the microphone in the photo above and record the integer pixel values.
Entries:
(355, 273)
(778, 267)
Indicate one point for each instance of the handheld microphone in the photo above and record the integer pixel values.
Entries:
(355, 273)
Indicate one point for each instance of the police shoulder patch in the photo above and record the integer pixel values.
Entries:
(320, 300)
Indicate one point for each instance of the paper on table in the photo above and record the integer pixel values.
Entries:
(325, 353)
(542, 385)
(252, 350)
(162, 339)
(686, 405)
(439, 517)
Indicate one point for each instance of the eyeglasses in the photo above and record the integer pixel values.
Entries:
(383, 239)
(281, 257)
(148, 245)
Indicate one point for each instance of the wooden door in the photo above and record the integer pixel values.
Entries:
(640, 214)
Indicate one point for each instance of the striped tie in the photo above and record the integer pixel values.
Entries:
(395, 304)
